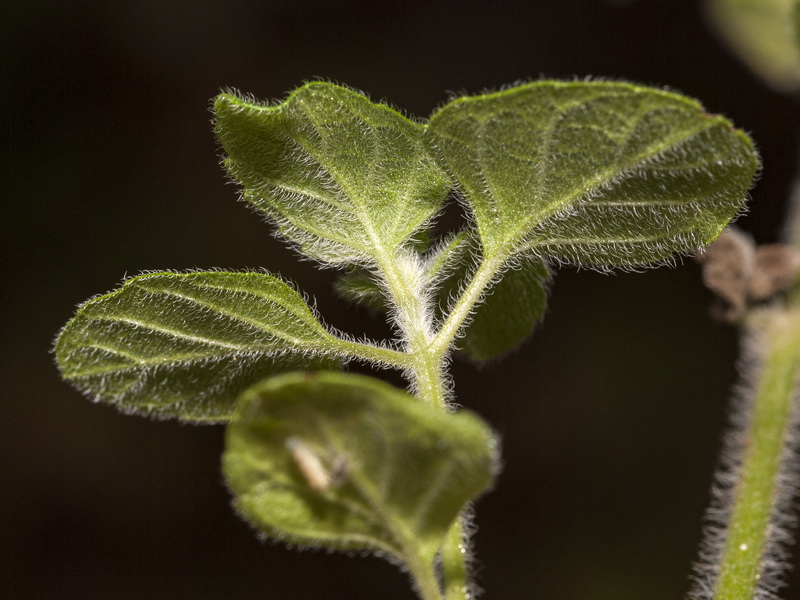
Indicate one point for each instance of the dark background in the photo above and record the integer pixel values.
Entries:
(610, 416)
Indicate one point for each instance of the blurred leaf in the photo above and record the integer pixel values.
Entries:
(763, 34)
(347, 180)
(796, 22)
(185, 345)
(357, 285)
(349, 462)
(604, 174)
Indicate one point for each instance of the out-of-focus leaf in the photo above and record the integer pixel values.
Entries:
(349, 462)
(763, 34)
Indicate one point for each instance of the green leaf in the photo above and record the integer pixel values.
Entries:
(349, 181)
(186, 344)
(349, 462)
(595, 173)
(764, 35)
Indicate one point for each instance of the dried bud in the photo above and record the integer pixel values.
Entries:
(740, 273)
(777, 268)
(728, 266)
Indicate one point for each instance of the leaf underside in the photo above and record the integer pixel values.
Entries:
(186, 344)
(347, 180)
(398, 471)
(593, 173)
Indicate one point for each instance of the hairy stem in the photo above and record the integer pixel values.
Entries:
(751, 536)
(373, 353)
(455, 552)
(465, 304)
(427, 355)
(425, 581)
(742, 553)
(403, 279)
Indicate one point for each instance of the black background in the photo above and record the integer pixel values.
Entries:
(610, 416)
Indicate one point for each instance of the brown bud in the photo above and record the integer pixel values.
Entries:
(740, 273)
(777, 268)
(728, 266)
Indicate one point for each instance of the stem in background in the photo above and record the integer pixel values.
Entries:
(757, 468)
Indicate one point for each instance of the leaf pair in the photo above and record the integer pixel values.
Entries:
(591, 173)
(596, 173)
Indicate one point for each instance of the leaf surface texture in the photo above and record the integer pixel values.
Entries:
(349, 181)
(601, 174)
(186, 344)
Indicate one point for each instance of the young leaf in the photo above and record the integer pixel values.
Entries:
(347, 180)
(606, 174)
(347, 461)
(185, 345)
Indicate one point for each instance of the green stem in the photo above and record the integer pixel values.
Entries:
(424, 579)
(754, 502)
(455, 552)
(414, 317)
(487, 271)
(373, 353)
(426, 358)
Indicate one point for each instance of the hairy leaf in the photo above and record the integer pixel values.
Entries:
(596, 173)
(347, 461)
(762, 33)
(347, 180)
(185, 345)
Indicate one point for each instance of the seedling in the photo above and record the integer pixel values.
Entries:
(597, 174)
